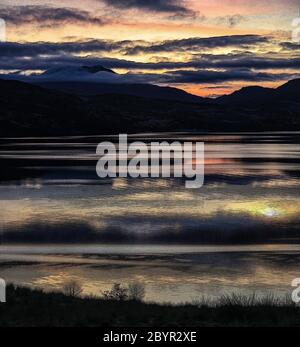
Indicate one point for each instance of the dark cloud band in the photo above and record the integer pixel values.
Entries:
(239, 65)
(127, 47)
(46, 16)
(164, 6)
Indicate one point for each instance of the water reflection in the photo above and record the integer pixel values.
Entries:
(173, 276)
(50, 194)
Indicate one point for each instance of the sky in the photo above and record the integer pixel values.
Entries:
(206, 47)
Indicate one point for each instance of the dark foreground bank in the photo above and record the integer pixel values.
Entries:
(27, 307)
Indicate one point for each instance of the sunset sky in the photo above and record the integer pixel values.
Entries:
(208, 47)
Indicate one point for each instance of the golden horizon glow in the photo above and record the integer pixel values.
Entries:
(97, 20)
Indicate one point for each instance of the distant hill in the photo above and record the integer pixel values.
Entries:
(137, 89)
(97, 68)
(98, 80)
(289, 90)
(256, 95)
(247, 95)
(31, 110)
(73, 73)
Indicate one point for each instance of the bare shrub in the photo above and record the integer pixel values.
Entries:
(136, 291)
(117, 292)
(72, 288)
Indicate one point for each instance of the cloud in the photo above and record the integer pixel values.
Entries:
(241, 64)
(127, 47)
(86, 74)
(290, 46)
(54, 48)
(45, 55)
(200, 76)
(230, 75)
(245, 60)
(163, 6)
(46, 16)
(231, 20)
(197, 43)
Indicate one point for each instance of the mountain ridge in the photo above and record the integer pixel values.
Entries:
(92, 80)
(134, 89)
(289, 91)
(31, 110)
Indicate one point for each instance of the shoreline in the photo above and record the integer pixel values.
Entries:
(67, 311)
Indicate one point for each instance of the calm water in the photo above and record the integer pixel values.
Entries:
(240, 232)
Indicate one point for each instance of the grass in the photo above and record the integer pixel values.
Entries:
(30, 307)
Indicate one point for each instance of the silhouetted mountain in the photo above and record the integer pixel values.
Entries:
(256, 95)
(247, 95)
(97, 68)
(95, 74)
(98, 80)
(289, 90)
(142, 90)
(30, 110)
